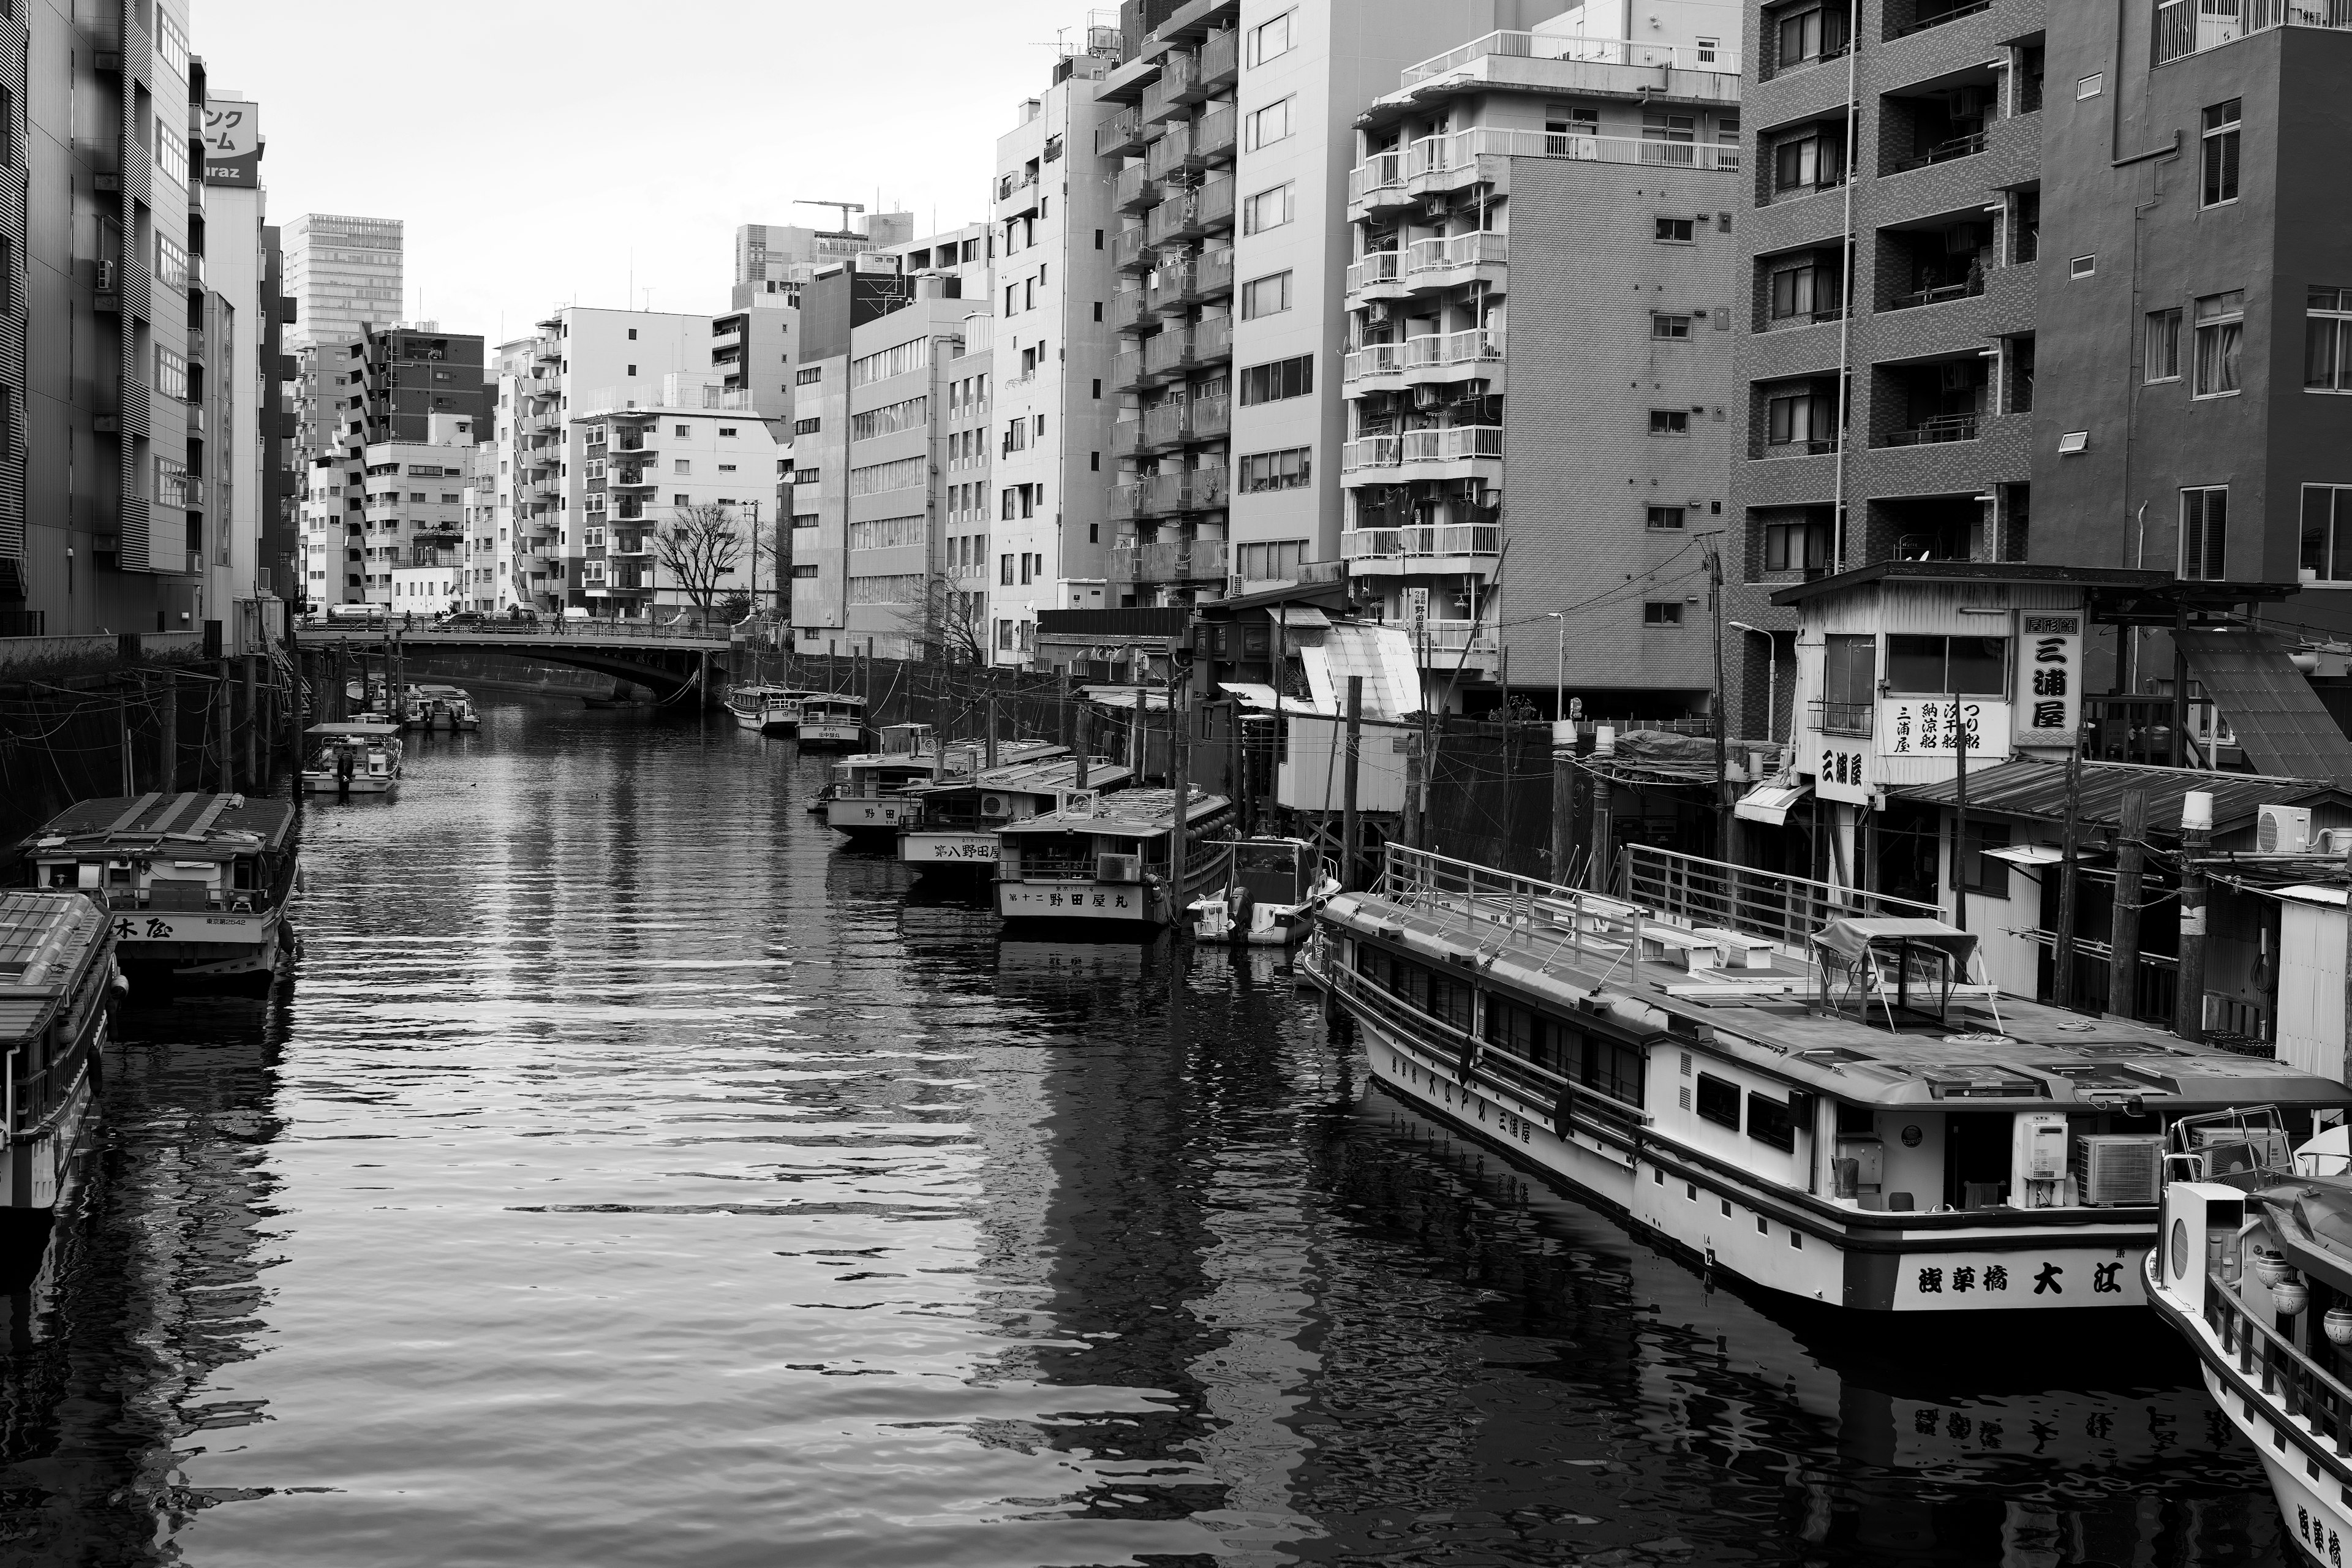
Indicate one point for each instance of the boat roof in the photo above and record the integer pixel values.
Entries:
(186, 823)
(1038, 778)
(46, 940)
(787, 691)
(2035, 1056)
(1123, 814)
(354, 731)
(835, 699)
(442, 690)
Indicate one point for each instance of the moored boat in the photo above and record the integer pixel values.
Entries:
(768, 709)
(197, 884)
(353, 758)
(2252, 1267)
(1107, 861)
(448, 707)
(1270, 898)
(57, 984)
(1842, 1115)
(875, 794)
(954, 832)
(830, 719)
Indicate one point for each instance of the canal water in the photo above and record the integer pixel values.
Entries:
(629, 1176)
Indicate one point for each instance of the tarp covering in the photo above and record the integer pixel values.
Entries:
(2268, 703)
(1850, 940)
(1770, 804)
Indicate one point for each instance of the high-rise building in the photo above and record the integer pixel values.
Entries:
(345, 274)
(1539, 363)
(774, 262)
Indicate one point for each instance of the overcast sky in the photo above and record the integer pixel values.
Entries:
(544, 151)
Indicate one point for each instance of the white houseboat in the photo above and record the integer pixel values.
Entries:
(58, 982)
(830, 719)
(954, 830)
(1269, 898)
(448, 707)
(197, 884)
(1105, 861)
(875, 794)
(1799, 1085)
(769, 710)
(2252, 1266)
(352, 759)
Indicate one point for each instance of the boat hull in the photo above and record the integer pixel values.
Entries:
(1271, 925)
(316, 782)
(1137, 906)
(1727, 1224)
(762, 724)
(943, 852)
(874, 818)
(189, 950)
(825, 734)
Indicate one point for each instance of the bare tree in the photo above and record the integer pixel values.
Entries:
(699, 546)
(947, 622)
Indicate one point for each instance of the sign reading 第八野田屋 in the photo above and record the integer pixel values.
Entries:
(2049, 709)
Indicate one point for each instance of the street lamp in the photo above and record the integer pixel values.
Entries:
(1771, 678)
(1558, 664)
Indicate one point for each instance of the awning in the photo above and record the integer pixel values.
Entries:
(2028, 854)
(1771, 804)
(2268, 704)
(1252, 695)
(1850, 939)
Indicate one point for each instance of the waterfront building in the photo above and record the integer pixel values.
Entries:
(1581, 185)
(345, 274)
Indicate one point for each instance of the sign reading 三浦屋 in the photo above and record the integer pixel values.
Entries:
(232, 143)
(2049, 679)
(1841, 770)
(1938, 726)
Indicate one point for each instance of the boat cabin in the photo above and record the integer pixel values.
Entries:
(223, 853)
(1109, 857)
(995, 797)
(831, 719)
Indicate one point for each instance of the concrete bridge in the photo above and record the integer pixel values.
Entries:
(668, 660)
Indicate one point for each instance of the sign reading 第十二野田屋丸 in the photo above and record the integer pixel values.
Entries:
(2049, 709)
(232, 143)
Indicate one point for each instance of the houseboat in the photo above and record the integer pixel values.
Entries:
(197, 884)
(829, 720)
(1105, 861)
(2252, 1267)
(769, 710)
(57, 983)
(954, 832)
(1798, 1085)
(352, 759)
(873, 794)
(1270, 898)
(449, 707)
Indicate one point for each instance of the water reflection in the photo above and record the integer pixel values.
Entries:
(629, 1177)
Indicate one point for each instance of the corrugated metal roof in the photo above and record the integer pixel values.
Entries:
(268, 820)
(2280, 721)
(2039, 790)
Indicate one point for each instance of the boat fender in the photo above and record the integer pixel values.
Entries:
(119, 986)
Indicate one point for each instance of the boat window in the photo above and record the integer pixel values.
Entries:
(1718, 1102)
(1524, 1033)
(1770, 1122)
(62, 874)
(244, 874)
(1452, 1001)
(1856, 1120)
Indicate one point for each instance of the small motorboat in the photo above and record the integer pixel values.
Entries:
(352, 759)
(448, 707)
(1271, 896)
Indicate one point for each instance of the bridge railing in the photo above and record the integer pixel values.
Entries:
(575, 631)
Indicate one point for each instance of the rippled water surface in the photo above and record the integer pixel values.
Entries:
(627, 1175)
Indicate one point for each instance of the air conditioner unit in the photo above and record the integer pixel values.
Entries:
(1474, 387)
(1119, 868)
(106, 276)
(2334, 841)
(1378, 312)
(1428, 396)
(1434, 207)
(2116, 1169)
(995, 805)
(2281, 829)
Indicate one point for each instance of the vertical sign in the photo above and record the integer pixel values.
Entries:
(232, 143)
(1840, 769)
(2049, 680)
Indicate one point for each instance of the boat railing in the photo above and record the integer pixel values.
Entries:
(1786, 910)
(2286, 1373)
(37, 1098)
(1490, 903)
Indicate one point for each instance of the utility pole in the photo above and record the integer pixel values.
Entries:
(167, 759)
(1722, 709)
(2196, 833)
(2062, 971)
(2123, 938)
(2346, 1060)
(1351, 825)
(1959, 817)
(1179, 779)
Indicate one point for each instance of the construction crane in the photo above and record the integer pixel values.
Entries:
(846, 208)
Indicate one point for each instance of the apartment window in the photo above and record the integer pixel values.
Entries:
(1269, 40)
(170, 260)
(2163, 354)
(1664, 517)
(1674, 230)
(2327, 533)
(809, 376)
(677, 499)
(1663, 125)
(1662, 612)
(1288, 469)
(2204, 533)
(1273, 561)
(1669, 422)
(1815, 33)
(2327, 340)
(1005, 563)
(1808, 416)
(1710, 50)
(1809, 292)
(2083, 266)
(1264, 127)
(725, 431)
(633, 334)
(1813, 162)
(1266, 296)
(171, 374)
(170, 41)
(171, 149)
(2220, 154)
(1665, 326)
(1269, 209)
(1280, 379)
(2090, 86)
(633, 370)
(2221, 328)
(802, 571)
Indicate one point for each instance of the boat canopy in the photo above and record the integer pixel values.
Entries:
(354, 731)
(1850, 941)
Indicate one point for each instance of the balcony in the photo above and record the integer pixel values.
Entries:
(1195, 279)
(1378, 181)
(1214, 136)
(1129, 308)
(1130, 249)
(1454, 444)
(1171, 560)
(1127, 373)
(1128, 502)
(1934, 432)
(1943, 152)
(1375, 360)
(1967, 290)
(1379, 276)
(1839, 717)
(1126, 437)
(1132, 190)
(1171, 157)
(1188, 490)
(1170, 353)
(1375, 183)
(1446, 356)
(1937, 16)
(1121, 135)
(1449, 262)
(1448, 642)
(1178, 85)
(1193, 214)
(1447, 540)
(1592, 51)
(1173, 425)
(2219, 22)
(1372, 452)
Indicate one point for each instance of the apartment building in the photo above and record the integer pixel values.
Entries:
(1582, 184)
(479, 587)
(1056, 350)
(773, 262)
(695, 462)
(577, 357)
(1235, 123)
(344, 273)
(358, 403)
(410, 514)
(752, 354)
(890, 463)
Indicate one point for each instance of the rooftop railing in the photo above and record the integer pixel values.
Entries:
(1515, 45)
(2191, 26)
